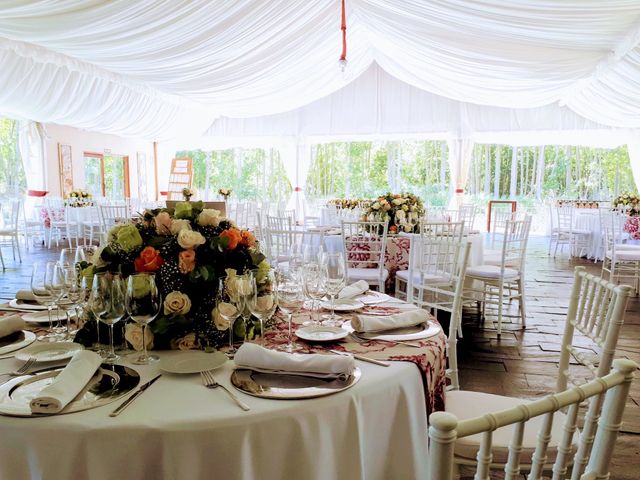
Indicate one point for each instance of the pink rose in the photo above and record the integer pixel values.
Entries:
(187, 261)
(163, 223)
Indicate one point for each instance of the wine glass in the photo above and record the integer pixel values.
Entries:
(143, 305)
(246, 289)
(71, 292)
(263, 300)
(86, 253)
(43, 296)
(229, 304)
(68, 257)
(111, 289)
(96, 305)
(313, 286)
(55, 284)
(313, 253)
(333, 276)
(290, 300)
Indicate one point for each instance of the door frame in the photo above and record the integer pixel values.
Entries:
(125, 170)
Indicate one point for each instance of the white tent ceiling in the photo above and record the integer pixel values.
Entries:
(156, 69)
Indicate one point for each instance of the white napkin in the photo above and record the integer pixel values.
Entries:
(26, 296)
(354, 289)
(371, 323)
(10, 324)
(258, 358)
(69, 383)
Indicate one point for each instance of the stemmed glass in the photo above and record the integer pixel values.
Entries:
(71, 293)
(229, 304)
(97, 306)
(55, 284)
(43, 295)
(68, 257)
(290, 300)
(143, 305)
(108, 292)
(333, 276)
(85, 253)
(246, 289)
(313, 287)
(263, 300)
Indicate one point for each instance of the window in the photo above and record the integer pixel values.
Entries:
(107, 175)
(12, 178)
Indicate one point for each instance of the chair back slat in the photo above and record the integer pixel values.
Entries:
(364, 242)
(512, 467)
(484, 456)
(444, 428)
(565, 446)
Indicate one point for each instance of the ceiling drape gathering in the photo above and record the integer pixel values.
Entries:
(156, 69)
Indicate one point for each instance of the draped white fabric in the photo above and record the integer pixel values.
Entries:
(31, 145)
(158, 68)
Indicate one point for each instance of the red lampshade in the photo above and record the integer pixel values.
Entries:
(37, 193)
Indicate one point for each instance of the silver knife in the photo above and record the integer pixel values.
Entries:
(361, 358)
(128, 401)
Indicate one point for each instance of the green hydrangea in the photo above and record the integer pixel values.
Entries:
(183, 210)
(262, 271)
(127, 237)
(141, 286)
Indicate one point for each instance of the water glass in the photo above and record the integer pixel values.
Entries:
(143, 304)
(313, 286)
(333, 276)
(230, 303)
(290, 300)
(263, 300)
(43, 295)
(109, 293)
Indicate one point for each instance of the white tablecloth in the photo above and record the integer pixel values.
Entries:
(180, 430)
(589, 219)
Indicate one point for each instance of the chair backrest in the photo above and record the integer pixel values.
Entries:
(467, 214)
(112, 214)
(364, 243)
(454, 230)
(565, 215)
(11, 214)
(56, 210)
(596, 310)
(612, 224)
(280, 243)
(514, 244)
(500, 215)
(592, 457)
(280, 222)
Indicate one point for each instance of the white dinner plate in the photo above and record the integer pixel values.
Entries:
(371, 297)
(315, 333)
(192, 362)
(16, 341)
(22, 305)
(50, 352)
(418, 332)
(343, 305)
(43, 317)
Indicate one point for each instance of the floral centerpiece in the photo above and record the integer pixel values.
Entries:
(349, 204)
(630, 204)
(188, 249)
(187, 193)
(401, 210)
(78, 198)
(225, 192)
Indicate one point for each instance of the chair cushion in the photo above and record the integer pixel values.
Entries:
(627, 255)
(627, 246)
(491, 272)
(427, 278)
(497, 260)
(368, 274)
(464, 405)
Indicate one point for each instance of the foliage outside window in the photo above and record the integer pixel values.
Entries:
(12, 178)
(252, 174)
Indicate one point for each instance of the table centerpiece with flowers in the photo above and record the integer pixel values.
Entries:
(630, 204)
(225, 192)
(78, 198)
(402, 211)
(189, 249)
(349, 203)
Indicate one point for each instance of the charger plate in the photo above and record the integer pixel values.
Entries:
(290, 387)
(417, 332)
(49, 352)
(16, 341)
(22, 305)
(319, 333)
(110, 383)
(371, 297)
(343, 305)
(43, 317)
(192, 362)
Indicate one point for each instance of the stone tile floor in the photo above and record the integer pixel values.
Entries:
(522, 363)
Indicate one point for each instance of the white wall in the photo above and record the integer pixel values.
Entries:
(84, 141)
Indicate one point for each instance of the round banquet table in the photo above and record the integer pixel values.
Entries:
(178, 429)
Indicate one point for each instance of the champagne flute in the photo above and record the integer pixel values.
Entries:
(43, 296)
(333, 276)
(111, 289)
(313, 287)
(143, 305)
(290, 300)
(229, 305)
(263, 300)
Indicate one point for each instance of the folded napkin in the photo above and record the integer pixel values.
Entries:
(26, 296)
(354, 289)
(258, 358)
(10, 324)
(68, 384)
(371, 323)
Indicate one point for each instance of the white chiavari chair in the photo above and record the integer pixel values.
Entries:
(596, 311)
(577, 239)
(535, 436)
(505, 281)
(9, 228)
(111, 215)
(621, 261)
(363, 249)
(467, 214)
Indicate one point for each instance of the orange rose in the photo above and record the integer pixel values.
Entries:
(187, 261)
(248, 239)
(148, 261)
(234, 236)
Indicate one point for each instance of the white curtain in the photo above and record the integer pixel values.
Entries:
(159, 69)
(633, 146)
(31, 145)
(296, 157)
(460, 152)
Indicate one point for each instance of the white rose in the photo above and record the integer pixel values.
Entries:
(264, 303)
(177, 302)
(188, 342)
(220, 322)
(397, 201)
(400, 215)
(189, 239)
(177, 225)
(133, 335)
(209, 217)
(375, 206)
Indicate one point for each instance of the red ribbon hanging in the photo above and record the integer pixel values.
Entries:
(344, 33)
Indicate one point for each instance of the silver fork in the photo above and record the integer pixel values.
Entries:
(210, 382)
(23, 369)
(366, 340)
